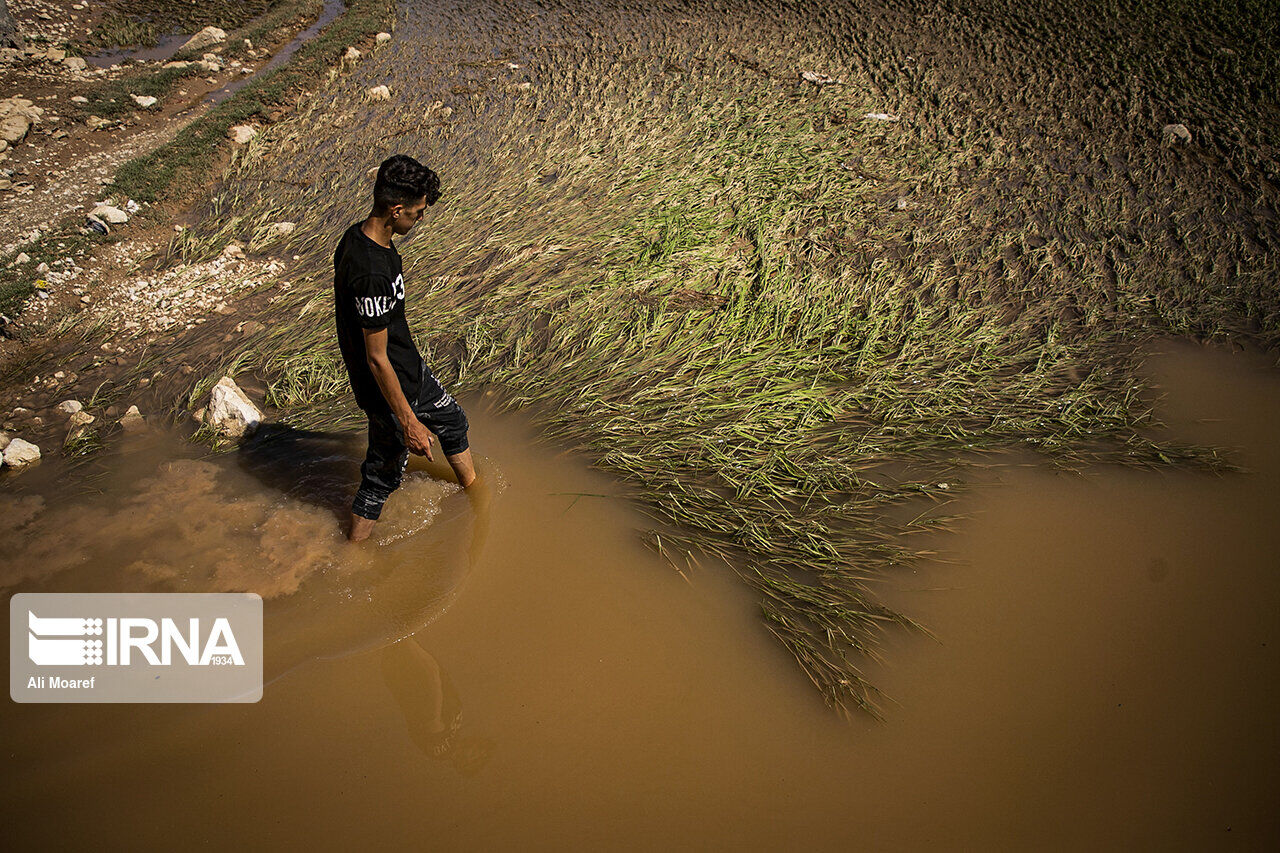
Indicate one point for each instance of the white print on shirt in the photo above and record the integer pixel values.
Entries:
(370, 307)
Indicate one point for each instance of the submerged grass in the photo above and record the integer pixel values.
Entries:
(752, 302)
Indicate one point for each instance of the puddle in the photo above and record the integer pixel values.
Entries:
(332, 9)
(1106, 674)
(162, 51)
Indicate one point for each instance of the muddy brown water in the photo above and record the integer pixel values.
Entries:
(522, 672)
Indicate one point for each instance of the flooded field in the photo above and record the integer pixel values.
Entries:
(782, 286)
(747, 256)
(1105, 672)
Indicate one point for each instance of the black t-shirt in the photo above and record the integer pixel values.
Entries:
(368, 293)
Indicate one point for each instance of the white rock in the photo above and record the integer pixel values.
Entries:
(70, 407)
(235, 251)
(79, 99)
(230, 410)
(282, 229)
(382, 38)
(20, 453)
(112, 215)
(207, 37)
(353, 54)
(5, 438)
(23, 258)
(177, 64)
(379, 93)
(145, 101)
(79, 419)
(1176, 134)
(881, 117)
(133, 419)
(75, 63)
(242, 133)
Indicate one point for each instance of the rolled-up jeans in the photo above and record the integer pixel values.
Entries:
(388, 455)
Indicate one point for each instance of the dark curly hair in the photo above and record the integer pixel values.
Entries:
(403, 180)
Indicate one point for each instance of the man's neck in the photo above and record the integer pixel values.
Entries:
(378, 229)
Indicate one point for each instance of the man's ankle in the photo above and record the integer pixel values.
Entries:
(361, 528)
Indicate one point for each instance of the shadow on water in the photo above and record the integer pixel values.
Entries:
(318, 468)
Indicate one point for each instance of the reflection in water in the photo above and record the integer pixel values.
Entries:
(431, 707)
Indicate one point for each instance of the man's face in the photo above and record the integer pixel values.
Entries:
(405, 216)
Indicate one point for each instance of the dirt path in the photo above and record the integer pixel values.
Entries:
(110, 290)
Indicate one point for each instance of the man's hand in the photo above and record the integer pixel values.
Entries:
(418, 438)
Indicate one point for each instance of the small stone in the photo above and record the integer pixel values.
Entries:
(20, 453)
(79, 99)
(96, 122)
(145, 101)
(282, 229)
(382, 38)
(234, 251)
(880, 116)
(379, 93)
(5, 438)
(70, 407)
(80, 419)
(55, 54)
(242, 133)
(133, 420)
(107, 213)
(75, 64)
(207, 37)
(14, 128)
(353, 54)
(1175, 134)
(232, 412)
(23, 258)
(250, 327)
(42, 269)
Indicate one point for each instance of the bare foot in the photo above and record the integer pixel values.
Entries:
(361, 527)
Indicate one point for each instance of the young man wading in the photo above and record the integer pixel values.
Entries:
(392, 384)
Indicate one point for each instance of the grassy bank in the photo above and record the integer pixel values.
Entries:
(187, 161)
(790, 313)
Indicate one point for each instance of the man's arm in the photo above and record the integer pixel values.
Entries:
(416, 436)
